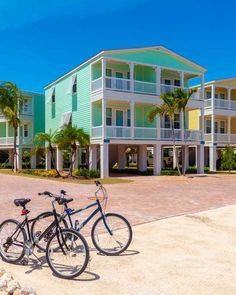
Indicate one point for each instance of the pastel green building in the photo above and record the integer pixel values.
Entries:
(32, 118)
(110, 96)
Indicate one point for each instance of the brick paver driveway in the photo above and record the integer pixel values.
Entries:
(144, 200)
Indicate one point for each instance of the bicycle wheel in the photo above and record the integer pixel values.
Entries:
(114, 237)
(42, 226)
(67, 253)
(12, 241)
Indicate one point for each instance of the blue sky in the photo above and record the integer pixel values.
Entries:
(42, 39)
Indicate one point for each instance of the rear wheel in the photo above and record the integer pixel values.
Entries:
(67, 253)
(112, 236)
(42, 226)
(12, 241)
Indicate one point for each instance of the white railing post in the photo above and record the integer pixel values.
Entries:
(213, 111)
(182, 79)
(104, 65)
(131, 70)
(202, 127)
(158, 126)
(132, 116)
(229, 97)
(182, 127)
(229, 128)
(158, 80)
(104, 106)
(202, 96)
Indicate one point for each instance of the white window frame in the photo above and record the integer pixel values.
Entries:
(26, 105)
(25, 130)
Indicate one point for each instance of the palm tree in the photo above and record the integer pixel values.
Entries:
(168, 108)
(182, 97)
(68, 138)
(47, 140)
(11, 101)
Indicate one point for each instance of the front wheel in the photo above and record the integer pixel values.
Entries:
(12, 241)
(111, 234)
(67, 253)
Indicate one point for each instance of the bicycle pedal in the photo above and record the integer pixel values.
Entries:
(25, 261)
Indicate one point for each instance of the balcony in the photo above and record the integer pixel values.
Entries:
(6, 140)
(9, 141)
(145, 133)
(221, 137)
(221, 104)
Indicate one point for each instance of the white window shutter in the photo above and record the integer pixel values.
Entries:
(65, 119)
(71, 83)
(49, 95)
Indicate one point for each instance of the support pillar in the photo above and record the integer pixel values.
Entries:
(121, 157)
(229, 129)
(33, 161)
(174, 157)
(157, 159)
(19, 158)
(59, 161)
(185, 158)
(132, 116)
(212, 157)
(93, 157)
(200, 159)
(48, 161)
(142, 158)
(104, 162)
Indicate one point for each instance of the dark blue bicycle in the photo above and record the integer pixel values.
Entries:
(111, 233)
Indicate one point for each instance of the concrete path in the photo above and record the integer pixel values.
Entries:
(192, 254)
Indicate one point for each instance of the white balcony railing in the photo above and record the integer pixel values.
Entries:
(207, 103)
(145, 133)
(119, 84)
(145, 87)
(220, 137)
(167, 134)
(96, 84)
(170, 88)
(97, 132)
(221, 103)
(118, 132)
(195, 135)
(6, 140)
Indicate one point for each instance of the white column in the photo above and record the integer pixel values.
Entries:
(59, 161)
(33, 161)
(104, 160)
(157, 159)
(174, 157)
(213, 97)
(229, 129)
(131, 70)
(182, 124)
(132, 118)
(182, 79)
(104, 65)
(121, 157)
(212, 128)
(93, 157)
(202, 88)
(202, 127)
(19, 158)
(7, 129)
(158, 126)
(104, 106)
(142, 158)
(48, 161)
(200, 159)
(158, 80)
(76, 163)
(212, 151)
(229, 97)
(185, 158)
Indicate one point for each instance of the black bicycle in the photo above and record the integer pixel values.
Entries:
(111, 233)
(67, 251)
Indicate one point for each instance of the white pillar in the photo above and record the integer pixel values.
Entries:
(131, 70)
(104, 160)
(182, 79)
(200, 159)
(7, 129)
(104, 65)
(48, 161)
(157, 159)
(229, 129)
(59, 161)
(212, 151)
(104, 106)
(33, 161)
(121, 157)
(158, 126)
(212, 128)
(202, 97)
(229, 97)
(213, 97)
(185, 158)
(158, 80)
(182, 125)
(19, 158)
(93, 157)
(132, 118)
(202, 127)
(174, 157)
(142, 158)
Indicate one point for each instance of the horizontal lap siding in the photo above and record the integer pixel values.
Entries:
(39, 113)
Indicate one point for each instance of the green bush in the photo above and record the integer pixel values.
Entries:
(87, 173)
(169, 172)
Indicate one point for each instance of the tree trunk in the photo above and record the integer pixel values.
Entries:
(53, 161)
(73, 158)
(174, 147)
(183, 155)
(15, 151)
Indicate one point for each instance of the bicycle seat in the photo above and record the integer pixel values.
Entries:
(21, 202)
(62, 201)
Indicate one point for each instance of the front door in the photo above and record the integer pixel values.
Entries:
(119, 123)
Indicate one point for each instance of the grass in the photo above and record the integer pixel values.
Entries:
(110, 180)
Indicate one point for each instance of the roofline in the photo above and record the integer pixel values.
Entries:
(215, 82)
(32, 92)
(127, 49)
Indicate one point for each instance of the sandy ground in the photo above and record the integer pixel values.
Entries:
(191, 254)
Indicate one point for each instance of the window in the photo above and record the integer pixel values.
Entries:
(208, 126)
(108, 80)
(177, 83)
(26, 105)
(109, 116)
(177, 121)
(167, 82)
(222, 127)
(166, 122)
(53, 96)
(74, 85)
(208, 95)
(222, 96)
(65, 119)
(26, 130)
(128, 118)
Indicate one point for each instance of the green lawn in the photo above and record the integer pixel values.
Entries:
(111, 180)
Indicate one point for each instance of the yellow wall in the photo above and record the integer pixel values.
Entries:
(233, 125)
(193, 122)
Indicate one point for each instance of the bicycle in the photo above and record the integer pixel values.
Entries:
(111, 233)
(67, 251)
